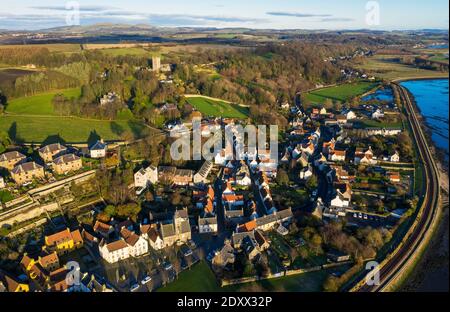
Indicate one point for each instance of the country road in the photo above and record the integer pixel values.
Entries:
(397, 262)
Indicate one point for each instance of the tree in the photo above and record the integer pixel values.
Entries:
(282, 177)
(331, 284)
(312, 183)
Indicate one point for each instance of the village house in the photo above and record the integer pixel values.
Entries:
(2, 183)
(137, 244)
(48, 152)
(201, 177)
(9, 160)
(146, 176)
(207, 221)
(224, 256)
(328, 146)
(27, 172)
(67, 163)
(150, 232)
(394, 157)
(105, 230)
(306, 172)
(350, 115)
(64, 242)
(178, 230)
(394, 177)
(109, 98)
(173, 175)
(11, 284)
(98, 150)
(34, 270)
(337, 155)
(364, 156)
(114, 251)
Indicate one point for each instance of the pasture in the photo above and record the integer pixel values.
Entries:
(40, 104)
(217, 108)
(70, 129)
(341, 93)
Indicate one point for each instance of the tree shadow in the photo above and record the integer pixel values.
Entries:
(117, 129)
(93, 138)
(53, 139)
(12, 133)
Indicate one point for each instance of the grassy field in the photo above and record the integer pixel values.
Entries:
(135, 51)
(40, 104)
(201, 279)
(70, 129)
(54, 47)
(340, 93)
(215, 108)
(386, 67)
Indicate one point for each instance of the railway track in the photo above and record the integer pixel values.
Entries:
(397, 261)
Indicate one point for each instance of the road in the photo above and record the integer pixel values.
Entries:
(395, 264)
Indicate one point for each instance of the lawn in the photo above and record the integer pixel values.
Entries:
(70, 129)
(218, 108)
(341, 93)
(40, 104)
(199, 278)
(388, 67)
(5, 196)
(370, 123)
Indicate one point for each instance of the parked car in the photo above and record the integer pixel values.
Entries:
(146, 280)
(134, 287)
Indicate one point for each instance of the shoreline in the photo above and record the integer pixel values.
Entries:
(434, 260)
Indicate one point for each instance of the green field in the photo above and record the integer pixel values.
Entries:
(70, 129)
(388, 67)
(136, 51)
(40, 104)
(341, 93)
(199, 278)
(218, 108)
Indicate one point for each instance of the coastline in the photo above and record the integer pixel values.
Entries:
(433, 262)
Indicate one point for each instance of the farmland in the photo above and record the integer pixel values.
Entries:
(340, 93)
(217, 108)
(70, 129)
(388, 67)
(40, 104)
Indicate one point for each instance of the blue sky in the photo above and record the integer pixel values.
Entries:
(277, 14)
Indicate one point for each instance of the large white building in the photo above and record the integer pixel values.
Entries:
(129, 245)
(146, 176)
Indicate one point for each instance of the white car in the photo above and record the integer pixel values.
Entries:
(134, 287)
(146, 280)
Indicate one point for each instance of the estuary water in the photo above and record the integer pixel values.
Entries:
(432, 99)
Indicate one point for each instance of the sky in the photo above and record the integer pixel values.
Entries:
(258, 14)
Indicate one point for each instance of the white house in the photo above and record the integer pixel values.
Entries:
(340, 201)
(395, 157)
(150, 233)
(2, 183)
(137, 244)
(115, 251)
(98, 150)
(306, 173)
(146, 176)
(377, 114)
(337, 155)
(207, 225)
(350, 115)
(129, 245)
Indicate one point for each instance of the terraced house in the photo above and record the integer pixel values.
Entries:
(10, 159)
(67, 163)
(64, 242)
(49, 151)
(27, 172)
